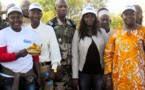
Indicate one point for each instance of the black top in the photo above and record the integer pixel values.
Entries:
(92, 64)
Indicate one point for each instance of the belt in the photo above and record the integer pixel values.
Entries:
(44, 63)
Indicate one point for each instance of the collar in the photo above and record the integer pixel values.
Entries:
(60, 23)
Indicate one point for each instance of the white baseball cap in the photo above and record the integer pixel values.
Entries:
(88, 10)
(14, 8)
(128, 7)
(35, 6)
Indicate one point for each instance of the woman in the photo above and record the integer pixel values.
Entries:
(87, 50)
(124, 54)
(16, 73)
(139, 17)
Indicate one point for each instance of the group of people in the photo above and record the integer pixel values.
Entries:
(94, 57)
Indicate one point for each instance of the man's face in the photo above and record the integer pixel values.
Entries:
(15, 20)
(61, 9)
(104, 21)
(129, 17)
(25, 6)
(35, 16)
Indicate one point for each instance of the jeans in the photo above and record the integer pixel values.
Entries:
(90, 82)
(6, 84)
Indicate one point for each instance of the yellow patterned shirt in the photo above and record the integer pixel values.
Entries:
(124, 57)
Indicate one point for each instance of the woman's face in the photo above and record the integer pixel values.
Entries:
(138, 16)
(89, 19)
(15, 20)
(129, 17)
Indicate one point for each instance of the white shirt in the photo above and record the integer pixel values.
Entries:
(109, 34)
(16, 41)
(47, 39)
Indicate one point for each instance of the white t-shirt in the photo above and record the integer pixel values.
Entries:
(16, 41)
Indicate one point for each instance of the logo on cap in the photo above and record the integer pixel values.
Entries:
(89, 8)
(36, 5)
(15, 8)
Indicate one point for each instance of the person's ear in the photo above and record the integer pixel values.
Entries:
(41, 15)
(55, 8)
(110, 21)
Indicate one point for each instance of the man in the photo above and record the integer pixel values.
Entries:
(25, 6)
(3, 23)
(104, 21)
(64, 29)
(50, 53)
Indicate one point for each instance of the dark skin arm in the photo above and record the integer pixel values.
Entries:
(37, 70)
(52, 74)
(75, 83)
(21, 53)
(109, 82)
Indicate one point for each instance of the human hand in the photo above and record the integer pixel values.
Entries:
(21, 53)
(75, 83)
(52, 75)
(109, 83)
(38, 83)
(103, 83)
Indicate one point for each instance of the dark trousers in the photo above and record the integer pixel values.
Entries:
(90, 82)
(6, 84)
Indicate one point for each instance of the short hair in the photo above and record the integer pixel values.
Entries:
(24, 1)
(102, 9)
(57, 1)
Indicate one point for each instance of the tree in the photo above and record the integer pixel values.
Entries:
(75, 8)
(116, 21)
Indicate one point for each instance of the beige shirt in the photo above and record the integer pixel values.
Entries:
(26, 22)
(49, 46)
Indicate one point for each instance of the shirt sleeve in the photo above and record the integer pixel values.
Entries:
(54, 49)
(109, 53)
(36, 58)
(75, 55)
(4, 56)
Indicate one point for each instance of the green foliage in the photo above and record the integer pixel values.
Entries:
(74, 10)
(116, 21)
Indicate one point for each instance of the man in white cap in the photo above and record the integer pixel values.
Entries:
(50, 54)
(105, 21)
(17, 65)
(64, 29)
